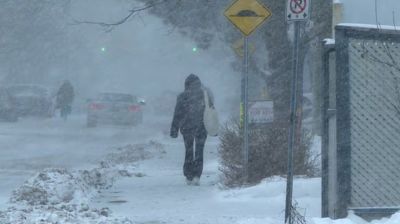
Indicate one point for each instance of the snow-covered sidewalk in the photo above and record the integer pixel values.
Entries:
(160, 194)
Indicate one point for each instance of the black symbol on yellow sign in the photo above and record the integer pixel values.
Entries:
(246, 13)
(238, 47)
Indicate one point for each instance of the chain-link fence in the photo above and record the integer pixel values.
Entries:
(367, 157)
(375, 123)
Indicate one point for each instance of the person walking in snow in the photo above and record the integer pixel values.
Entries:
(65, 97)
(188, 119)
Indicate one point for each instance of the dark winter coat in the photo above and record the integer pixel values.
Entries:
(65, 95)
(189, 109)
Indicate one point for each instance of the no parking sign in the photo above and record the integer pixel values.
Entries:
(298, 10)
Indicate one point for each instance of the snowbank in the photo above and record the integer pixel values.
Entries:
(353, 219)
(64, 214)
(307, 196)
(62, 196)
(370, 26)
(52, 186)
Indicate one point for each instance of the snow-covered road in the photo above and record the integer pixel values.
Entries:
(32, 144)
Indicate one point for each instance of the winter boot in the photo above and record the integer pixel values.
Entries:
(196, 181)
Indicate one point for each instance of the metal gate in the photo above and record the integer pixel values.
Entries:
(361, 141)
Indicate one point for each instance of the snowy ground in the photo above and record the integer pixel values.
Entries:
(162, 196)
(129, 175)
(32, 145)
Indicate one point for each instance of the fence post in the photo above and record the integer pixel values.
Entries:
(325, 85)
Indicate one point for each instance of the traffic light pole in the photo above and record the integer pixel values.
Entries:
(292, 129)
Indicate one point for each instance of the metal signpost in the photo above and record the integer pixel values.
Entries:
(297, 12)
(246, 15)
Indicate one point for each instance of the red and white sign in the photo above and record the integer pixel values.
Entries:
(298, 10)
(261, 112)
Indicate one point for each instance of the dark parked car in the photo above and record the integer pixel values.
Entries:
(7, 106)
(114, 108)
(32, 100)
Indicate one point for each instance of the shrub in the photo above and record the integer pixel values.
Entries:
(267, 154)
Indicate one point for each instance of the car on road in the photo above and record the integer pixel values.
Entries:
(114, 108)
(32, 100)
(7, 106)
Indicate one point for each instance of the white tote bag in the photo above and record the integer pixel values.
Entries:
(211, 121)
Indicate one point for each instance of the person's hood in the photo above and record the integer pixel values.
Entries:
(66, 83)
(192, 82)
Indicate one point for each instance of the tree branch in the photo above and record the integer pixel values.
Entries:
(393, 64)
(110, 26)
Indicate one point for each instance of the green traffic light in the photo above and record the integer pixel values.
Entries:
(194, 49)
(103, 49)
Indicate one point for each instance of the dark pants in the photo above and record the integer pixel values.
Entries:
(194, 144)
(65, 111)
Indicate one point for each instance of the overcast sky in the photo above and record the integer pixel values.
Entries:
(363, 11)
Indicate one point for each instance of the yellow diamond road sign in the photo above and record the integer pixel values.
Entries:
(238, 47)
(247, 15)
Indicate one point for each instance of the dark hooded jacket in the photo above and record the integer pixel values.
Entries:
(65, 95)
(189, 109)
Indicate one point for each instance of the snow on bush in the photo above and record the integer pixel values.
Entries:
(61, 196)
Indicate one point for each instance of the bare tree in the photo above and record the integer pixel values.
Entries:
(109, 26)
(33, 38)
(390, 59)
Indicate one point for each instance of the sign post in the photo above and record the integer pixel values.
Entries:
(246, 15)
(297, 12)
(245, 100)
